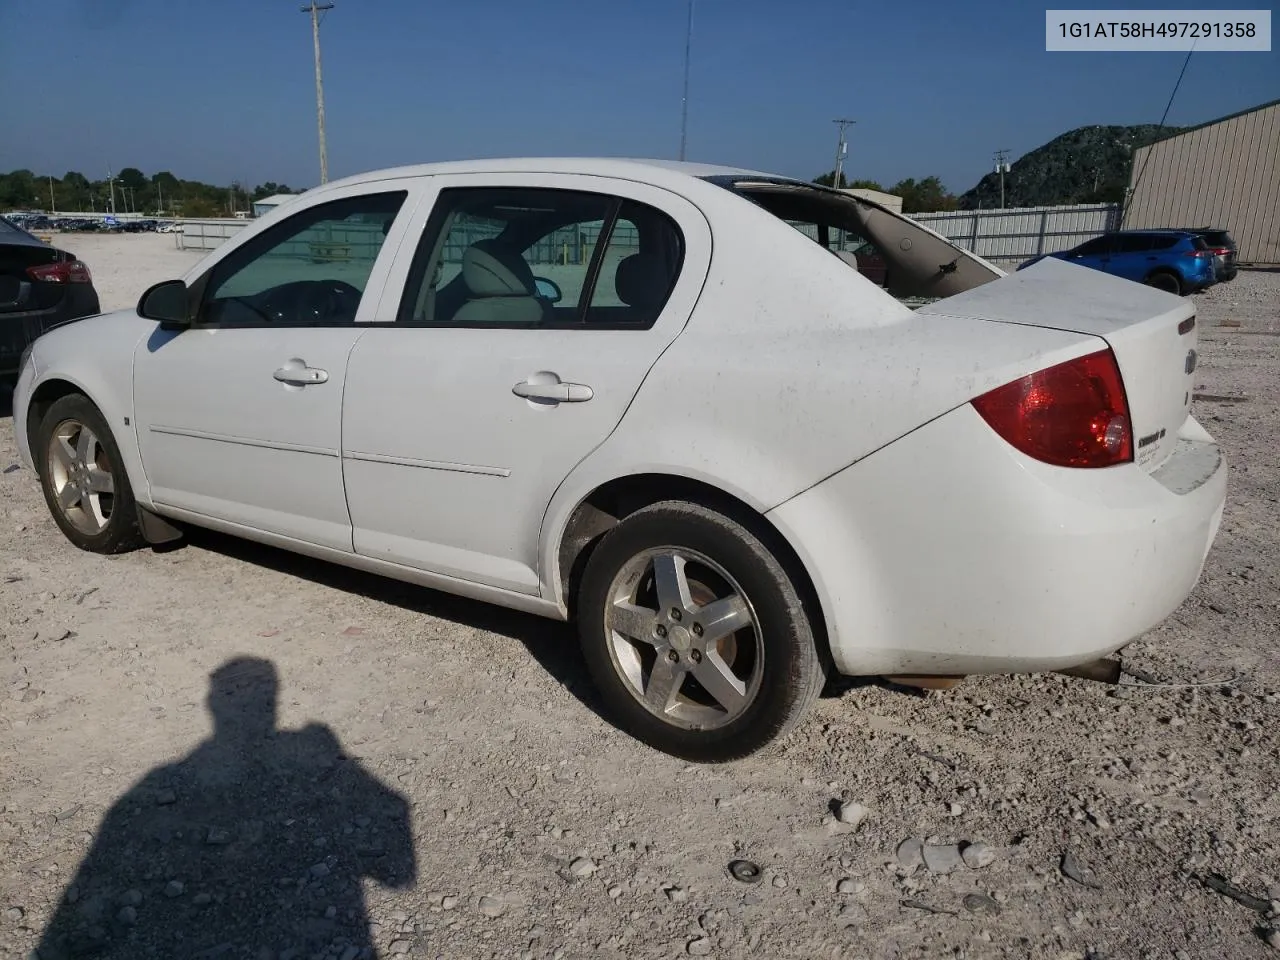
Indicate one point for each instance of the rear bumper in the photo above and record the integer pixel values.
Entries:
(949, 552)
(18, 330)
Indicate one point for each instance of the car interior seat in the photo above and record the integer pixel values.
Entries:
(500, 287)
(642, 282)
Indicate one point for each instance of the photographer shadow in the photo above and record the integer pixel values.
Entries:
(254, 845)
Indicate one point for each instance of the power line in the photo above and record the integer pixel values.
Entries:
(315, 9)
(1124, 211)
(841, 149)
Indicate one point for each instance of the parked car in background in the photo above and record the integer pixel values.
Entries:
(737, 463)
(1223, 247)
(40, 287)
(1176, 261)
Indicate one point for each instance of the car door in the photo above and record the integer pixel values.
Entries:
(533, 307)
(1133, 257)
(1095, 253)
(238, 416)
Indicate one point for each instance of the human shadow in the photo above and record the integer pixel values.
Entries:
(252, 846)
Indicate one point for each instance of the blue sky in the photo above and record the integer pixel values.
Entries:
(224, 90)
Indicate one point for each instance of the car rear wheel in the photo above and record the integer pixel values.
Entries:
(695, 635)
(1166, 281)
(83, 478)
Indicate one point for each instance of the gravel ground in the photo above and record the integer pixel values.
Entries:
(222, 750)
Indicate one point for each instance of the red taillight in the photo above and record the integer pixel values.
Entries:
(64, 271)
(1220, 251)
(1070, 415)
(1198, 254)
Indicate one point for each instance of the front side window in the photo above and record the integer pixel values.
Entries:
(536, 257)
(310, 270)
(1094, 248)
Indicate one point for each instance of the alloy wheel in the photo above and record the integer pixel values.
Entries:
(683, 637)
(81, 478)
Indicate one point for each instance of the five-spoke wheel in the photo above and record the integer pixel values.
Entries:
(695, 633)
(83, 478)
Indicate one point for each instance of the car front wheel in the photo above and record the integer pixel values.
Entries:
(695, 635)
(83, 478)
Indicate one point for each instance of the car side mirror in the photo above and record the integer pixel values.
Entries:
(548, 290)
(167, 302)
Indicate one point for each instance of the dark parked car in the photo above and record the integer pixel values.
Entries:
(1223, 247)
(1177, 261)
(40, 287)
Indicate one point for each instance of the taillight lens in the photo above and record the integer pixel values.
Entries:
(1071, 415)
(64, 271)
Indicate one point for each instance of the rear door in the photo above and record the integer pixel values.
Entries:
(1137, 254)
(508, 346)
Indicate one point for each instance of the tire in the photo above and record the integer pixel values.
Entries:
(1166, 281)
(79, 464)
(722, 690)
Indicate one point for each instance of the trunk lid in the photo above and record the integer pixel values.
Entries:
(1152, 334)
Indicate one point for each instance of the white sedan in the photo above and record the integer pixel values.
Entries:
(660, 399)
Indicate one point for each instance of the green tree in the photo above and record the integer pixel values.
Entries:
(923, 196)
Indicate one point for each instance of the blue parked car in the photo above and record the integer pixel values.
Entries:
(1172, 260)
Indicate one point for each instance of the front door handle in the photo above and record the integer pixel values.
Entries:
(301, 376)
(554, 392)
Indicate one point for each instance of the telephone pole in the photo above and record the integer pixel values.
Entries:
(1002, 168)
(841, 149)
(315, 9)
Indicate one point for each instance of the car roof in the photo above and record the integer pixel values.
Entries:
(653, 171)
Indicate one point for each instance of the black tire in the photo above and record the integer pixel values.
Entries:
(1166, 281)
(120, 532)
(786, 670)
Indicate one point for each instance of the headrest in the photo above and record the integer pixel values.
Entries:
(642, 280)
(490, 269)
(850, 258)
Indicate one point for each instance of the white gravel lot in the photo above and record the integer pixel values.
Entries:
(454, 753)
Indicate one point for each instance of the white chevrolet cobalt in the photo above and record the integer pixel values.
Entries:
(746, 431)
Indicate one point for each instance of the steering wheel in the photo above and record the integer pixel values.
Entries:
(323, 301)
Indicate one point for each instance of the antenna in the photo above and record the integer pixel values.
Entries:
(684, 99)
(315, 9)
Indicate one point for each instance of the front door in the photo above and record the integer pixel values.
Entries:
(239, 417)
(532, 309)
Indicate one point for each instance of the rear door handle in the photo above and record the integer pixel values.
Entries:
(301, 376)
(553, 392)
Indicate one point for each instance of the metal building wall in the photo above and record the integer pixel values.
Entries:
(1223, 174)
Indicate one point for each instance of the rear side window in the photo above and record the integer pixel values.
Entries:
(536, 257)
(1134, 242)
(1164, 242)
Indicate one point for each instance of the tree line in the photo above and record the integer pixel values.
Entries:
(160, 194)
(918, 196)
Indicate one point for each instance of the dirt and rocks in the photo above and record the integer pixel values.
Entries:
(222, 750)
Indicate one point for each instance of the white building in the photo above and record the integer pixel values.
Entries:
(267, 204)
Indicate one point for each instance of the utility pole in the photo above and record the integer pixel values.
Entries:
(1002, 168)
(111, 182)
(684, 99)
(53, 204)
(315, 9)
(841, 149)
